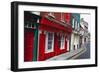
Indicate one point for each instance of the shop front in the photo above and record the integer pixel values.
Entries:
(53, 38)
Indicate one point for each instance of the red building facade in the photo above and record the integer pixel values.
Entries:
(53, 30)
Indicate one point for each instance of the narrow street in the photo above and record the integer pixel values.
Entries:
(82, 53)
(86, 54)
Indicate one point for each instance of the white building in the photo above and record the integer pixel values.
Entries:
(84, 33)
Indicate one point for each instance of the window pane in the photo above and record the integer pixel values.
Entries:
(49, 47)
(59, 44)
(50, 40)
(50, 36)
(49, 43)
(59, 41)
(62, 42)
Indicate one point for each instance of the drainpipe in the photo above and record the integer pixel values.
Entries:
(35, 48)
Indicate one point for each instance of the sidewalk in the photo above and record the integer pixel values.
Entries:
(68, 55)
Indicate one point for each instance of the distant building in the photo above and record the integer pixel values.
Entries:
(84, 33)
(74, 40)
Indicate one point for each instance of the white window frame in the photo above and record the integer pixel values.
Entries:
(46, 43)
(62, 42)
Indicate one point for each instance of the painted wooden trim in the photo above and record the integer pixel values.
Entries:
(35, 49)
(46, 44)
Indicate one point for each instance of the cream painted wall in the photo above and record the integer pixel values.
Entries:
(74, 41)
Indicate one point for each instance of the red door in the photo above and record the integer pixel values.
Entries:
(28, 45)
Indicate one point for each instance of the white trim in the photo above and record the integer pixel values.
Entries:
(62, 41)
(40, 31)
(46, 43)
(67, 45)
(62, 17)
(51, 14)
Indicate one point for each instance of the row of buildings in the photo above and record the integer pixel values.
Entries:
(48, 34)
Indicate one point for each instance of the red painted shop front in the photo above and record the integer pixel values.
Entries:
(28, 44)
(50, 26)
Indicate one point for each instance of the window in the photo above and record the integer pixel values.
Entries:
(49, 42)
(61, 42)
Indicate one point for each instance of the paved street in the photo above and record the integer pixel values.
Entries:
(86, 54)
(82, 53)
(67, 55)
